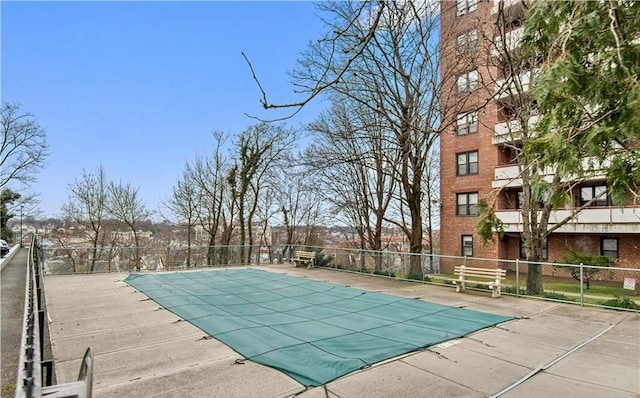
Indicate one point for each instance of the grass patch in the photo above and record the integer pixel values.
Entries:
(413, 277)
(513, 290)
(384, 273)
(569, 288)
(557, 296)
(598, 294)
(418, 277)
(595, 290)
(621, 302)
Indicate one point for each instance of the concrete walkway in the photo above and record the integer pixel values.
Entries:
(14, 274)
(141, 350)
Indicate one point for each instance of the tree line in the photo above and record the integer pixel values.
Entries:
(372, 157)
(94, 202)
(23, 153)
(577, 69)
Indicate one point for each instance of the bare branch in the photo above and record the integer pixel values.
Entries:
(23, 146)
(320, 85)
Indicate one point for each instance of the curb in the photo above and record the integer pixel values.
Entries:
(5, 260)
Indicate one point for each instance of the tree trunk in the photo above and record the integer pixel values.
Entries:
(94, 251)
(415, 240)
(137, 250)
(534, 278)
(378, 261)
(211, 250)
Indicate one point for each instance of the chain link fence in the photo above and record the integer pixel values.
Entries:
(585, 284)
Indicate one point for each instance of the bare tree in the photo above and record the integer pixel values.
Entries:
(356, 167)
(215, 212)
(23, 149)
(373, 12)
(125, 205)
(259, 149)
(395, 75)
(431, 184)
(87, 207)
(385, 56)
(110, 241)
(184, 203)
(299, 205)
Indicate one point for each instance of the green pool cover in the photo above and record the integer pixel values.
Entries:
(313, 331)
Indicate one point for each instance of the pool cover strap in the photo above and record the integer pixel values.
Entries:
(313, 331)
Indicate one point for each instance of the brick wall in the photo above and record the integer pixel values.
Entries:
(453, 226)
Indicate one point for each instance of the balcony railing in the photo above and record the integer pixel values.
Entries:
(507, 6)
(512, 40)
(509, 176)
(589, 220)
(514, 86)
(510, 131)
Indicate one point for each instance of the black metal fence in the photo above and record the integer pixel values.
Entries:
(34, 374)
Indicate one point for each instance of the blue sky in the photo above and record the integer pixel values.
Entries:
(138, 87)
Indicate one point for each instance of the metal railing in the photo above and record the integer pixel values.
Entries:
(598, 286)
(34, 374)
(82, 259)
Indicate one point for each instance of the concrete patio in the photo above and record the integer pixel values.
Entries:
(141, 350)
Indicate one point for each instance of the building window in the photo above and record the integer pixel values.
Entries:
(467, 204)
(597, 191)
(468, 163)
(466, 6)
(545, 249)
(467, 82)
(467, 245)
(467, 43)
(609, 247)
(467, 123)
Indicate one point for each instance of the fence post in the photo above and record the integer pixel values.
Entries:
(581, 284)
(517, 277)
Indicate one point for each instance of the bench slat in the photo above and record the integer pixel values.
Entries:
(481, 271)
(469, 271)
(494, 276)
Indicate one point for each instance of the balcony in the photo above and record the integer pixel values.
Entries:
(509, 132)
(509, 176)
(506, 88)
(512, 41)
(591, 220)
(515, 7)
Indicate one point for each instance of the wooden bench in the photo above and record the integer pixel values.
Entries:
(491, 277)
(303, 257)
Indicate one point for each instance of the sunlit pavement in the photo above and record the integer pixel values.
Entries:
(550, 349)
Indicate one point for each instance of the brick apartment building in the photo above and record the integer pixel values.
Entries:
(476, 161)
